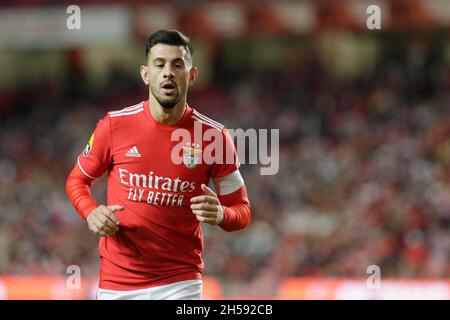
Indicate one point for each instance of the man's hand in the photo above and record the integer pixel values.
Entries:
(207, 208)
(102, 220)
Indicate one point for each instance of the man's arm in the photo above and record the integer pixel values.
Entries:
(92, 163)
(229, 207)
(237, 211)
(101, 219)
(78, 190)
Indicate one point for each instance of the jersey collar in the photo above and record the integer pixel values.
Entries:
(181, 123)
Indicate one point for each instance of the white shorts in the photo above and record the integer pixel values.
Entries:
(183, 290)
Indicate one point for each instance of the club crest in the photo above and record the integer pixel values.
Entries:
(191, 155)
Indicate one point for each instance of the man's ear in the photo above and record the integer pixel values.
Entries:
(193, 74)
(144, 74)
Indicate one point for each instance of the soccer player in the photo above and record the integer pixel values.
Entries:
(150, 234)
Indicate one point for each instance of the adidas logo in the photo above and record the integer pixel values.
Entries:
(133, 153)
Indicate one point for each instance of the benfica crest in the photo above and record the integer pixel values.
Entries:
(191, 155)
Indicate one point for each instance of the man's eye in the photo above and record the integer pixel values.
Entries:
(159, 66)
(179, 65)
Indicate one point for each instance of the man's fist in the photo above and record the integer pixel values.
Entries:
(207, 208)
(102, 220)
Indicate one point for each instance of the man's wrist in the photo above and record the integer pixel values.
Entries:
(221, 215)
(88, 210)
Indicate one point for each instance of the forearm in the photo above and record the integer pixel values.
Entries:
(78, 191)
(235, 217)
(236, 210)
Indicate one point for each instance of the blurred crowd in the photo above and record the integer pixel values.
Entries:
(364, 174)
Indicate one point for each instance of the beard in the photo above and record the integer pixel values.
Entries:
(169, 104)
(166, 102)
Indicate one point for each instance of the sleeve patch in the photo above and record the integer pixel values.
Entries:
(88, 146)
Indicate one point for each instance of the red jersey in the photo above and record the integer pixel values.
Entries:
(159, 239)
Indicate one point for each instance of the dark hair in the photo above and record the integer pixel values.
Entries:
(170, 37)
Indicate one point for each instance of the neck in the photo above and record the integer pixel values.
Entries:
(166, 115)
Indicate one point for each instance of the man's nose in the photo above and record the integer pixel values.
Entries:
(168, 73)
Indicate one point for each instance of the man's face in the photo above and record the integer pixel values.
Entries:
(169, 73)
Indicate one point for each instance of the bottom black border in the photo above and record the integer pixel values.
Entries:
(227, 309)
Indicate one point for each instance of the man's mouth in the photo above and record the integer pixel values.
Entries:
(169, 86)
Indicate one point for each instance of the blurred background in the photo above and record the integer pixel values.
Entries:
(364, 119)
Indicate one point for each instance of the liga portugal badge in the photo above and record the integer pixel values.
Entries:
(88, 146)
(191, 155)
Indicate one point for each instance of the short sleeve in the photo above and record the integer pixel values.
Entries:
(95, 159)
(230, 161)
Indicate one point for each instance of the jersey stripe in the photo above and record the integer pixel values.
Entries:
(206, 123)
(230, 183)
(140, 104)
(79, 165)
(201, 116)
(136, 106)
(127, 113)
